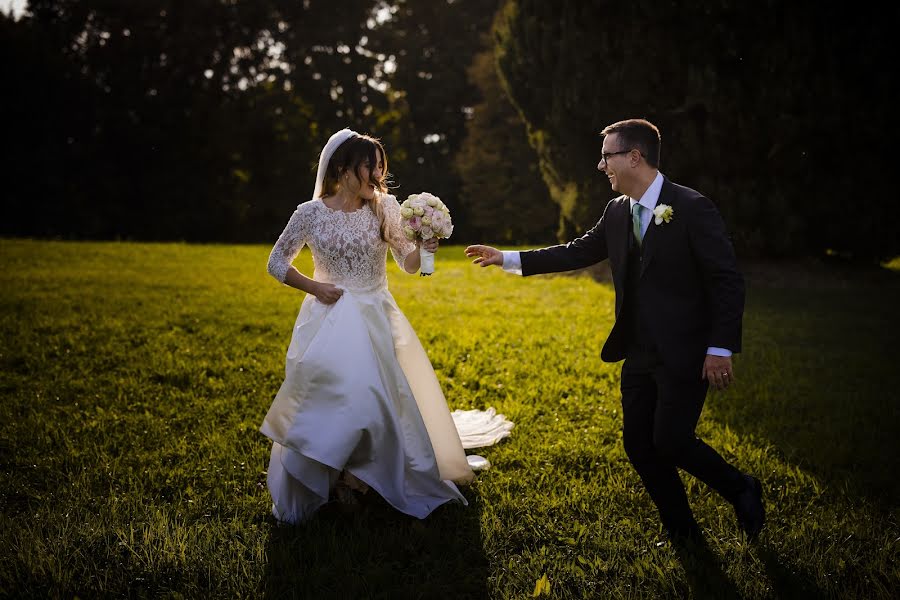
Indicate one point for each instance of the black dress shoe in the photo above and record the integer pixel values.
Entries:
(748, 506)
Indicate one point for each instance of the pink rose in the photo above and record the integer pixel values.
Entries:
(415, 222)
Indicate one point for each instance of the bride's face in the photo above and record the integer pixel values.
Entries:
(362, 185)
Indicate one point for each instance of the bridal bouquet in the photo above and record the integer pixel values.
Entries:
(423, 216)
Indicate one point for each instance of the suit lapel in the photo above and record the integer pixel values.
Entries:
(623, 228)
(618, 227)
(650, 241)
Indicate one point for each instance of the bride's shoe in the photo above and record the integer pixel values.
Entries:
(278, 518)
(344, 494)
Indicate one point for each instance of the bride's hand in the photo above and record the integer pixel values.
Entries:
(485, 255)
(327, 293)
(431, 244)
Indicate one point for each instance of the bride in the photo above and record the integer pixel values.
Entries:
(360, 406)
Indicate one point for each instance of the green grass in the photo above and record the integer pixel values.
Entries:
(134, 378)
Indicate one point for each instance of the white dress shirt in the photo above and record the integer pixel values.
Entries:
(512, 261)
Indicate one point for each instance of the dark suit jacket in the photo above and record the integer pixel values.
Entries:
(690, 293)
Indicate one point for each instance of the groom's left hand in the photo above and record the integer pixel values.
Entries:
(718, 370)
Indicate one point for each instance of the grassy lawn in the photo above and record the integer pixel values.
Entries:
(134, 378)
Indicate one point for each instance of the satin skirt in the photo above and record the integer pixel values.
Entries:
(360, 395)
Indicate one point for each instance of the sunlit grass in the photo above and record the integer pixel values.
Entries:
(893, 264)
(134, 377)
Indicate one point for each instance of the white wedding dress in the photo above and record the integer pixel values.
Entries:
(359, 393)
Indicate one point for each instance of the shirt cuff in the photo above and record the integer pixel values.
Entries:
(718, 351)
(512, 262)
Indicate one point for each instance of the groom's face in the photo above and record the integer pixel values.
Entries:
(613, 163)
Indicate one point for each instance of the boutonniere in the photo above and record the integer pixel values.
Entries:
(663, 212)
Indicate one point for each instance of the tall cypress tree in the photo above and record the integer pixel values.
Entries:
(502, 188)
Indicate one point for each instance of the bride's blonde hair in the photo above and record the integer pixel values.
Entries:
(351, 155)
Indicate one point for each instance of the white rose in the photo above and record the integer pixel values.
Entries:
(663, 213)
(426, 233)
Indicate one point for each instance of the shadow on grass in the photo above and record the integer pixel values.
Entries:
(787, 583)
(704, 573)
(707, 578)
(818, 378)
(373, 551)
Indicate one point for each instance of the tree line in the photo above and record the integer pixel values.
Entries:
(202, 121)
(780, 112)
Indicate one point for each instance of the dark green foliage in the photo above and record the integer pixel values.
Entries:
(434, 42)
(162, 120)
(781, 112)
(502, 186)
(128, 121)
(203, 121)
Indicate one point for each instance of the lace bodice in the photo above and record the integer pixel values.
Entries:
(347, 247)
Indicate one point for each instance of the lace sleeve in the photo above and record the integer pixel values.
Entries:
(393, 231)
(289, 243)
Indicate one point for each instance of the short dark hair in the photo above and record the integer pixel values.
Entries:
(639, 134)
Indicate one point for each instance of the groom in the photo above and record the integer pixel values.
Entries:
(679, 302)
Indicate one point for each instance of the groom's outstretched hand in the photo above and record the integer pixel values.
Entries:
(719, 371)
(485, 255)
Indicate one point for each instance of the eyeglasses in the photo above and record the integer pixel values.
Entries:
(605, 156)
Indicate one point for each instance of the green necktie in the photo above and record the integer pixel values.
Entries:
(636, 222)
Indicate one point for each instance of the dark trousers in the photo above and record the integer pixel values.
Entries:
(660, 412)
